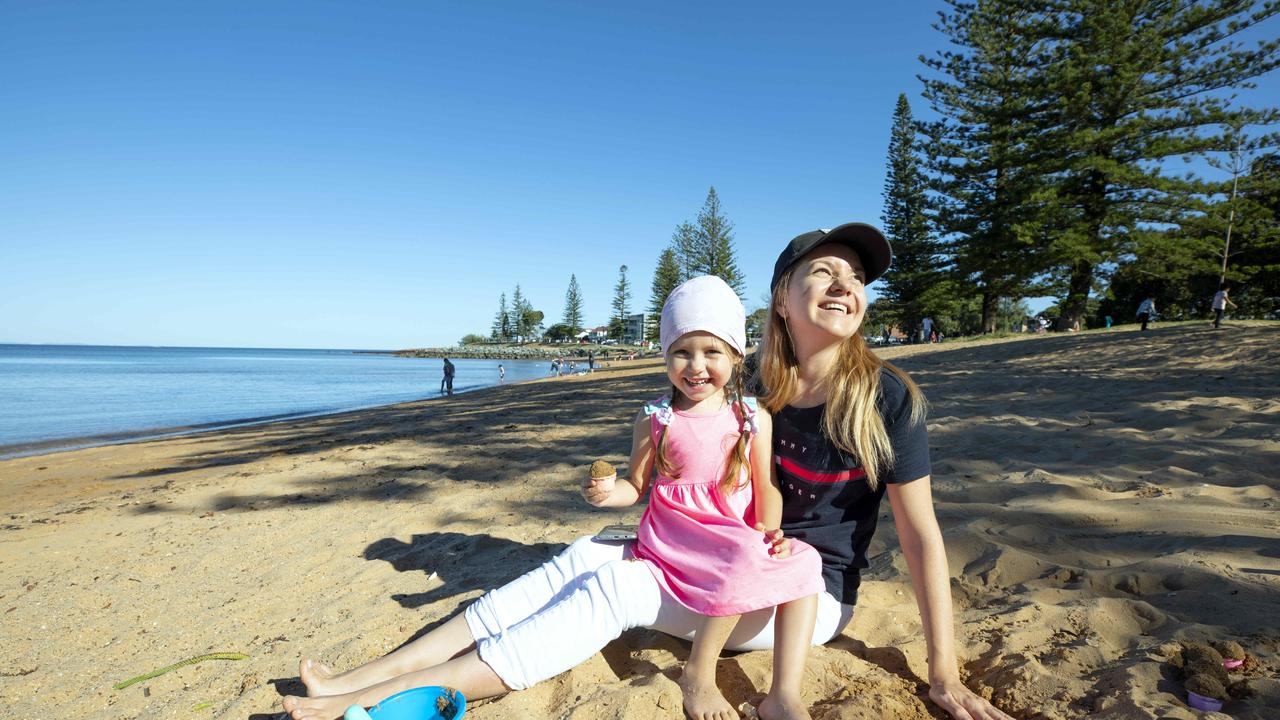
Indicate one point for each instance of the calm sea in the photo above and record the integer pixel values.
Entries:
(59, 396)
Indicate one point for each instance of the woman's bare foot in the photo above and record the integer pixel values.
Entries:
(327, 707)
(777, 707)
(703, 700)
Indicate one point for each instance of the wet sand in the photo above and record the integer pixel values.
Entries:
(1102, 495)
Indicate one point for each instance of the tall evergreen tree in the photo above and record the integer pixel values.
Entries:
(917, 286)
(989, 96)
(1139, 85)
(1235, 238)
(519, 318)
(501, 330)
(1244, 221)
(690, 255)
(573, 306)
(1255, 260)
(621, 304)
(715, 240)
(666, 276)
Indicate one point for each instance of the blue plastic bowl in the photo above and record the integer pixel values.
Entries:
(422, 703)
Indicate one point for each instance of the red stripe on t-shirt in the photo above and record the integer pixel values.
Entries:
(819, 477)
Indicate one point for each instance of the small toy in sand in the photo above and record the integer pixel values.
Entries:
(1233, 656)
(424, 703)
(604, 475)
(1203, 669)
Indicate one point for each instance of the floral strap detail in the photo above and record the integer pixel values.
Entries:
(749, 422)
(660, 410)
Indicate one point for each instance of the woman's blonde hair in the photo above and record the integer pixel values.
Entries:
(851, 420)
(737, 463)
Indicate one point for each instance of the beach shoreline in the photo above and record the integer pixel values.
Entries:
(57, 445)
(1103, 496)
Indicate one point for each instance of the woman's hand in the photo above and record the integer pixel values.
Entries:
(963, 704)
(779, 546)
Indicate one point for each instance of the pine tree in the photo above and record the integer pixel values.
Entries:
(690, 256)
(1138, 84)
(1242, 210)
(501, 330)
(621, 304)
(518, 321)
(715, 240)
(918, 285)
(1235, 237)
(573, 306)
(666, 276)
(989, 198)
(1255, 257)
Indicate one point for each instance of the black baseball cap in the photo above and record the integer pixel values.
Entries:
(867, 241)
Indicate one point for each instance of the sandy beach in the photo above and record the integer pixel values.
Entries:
(1103, 495)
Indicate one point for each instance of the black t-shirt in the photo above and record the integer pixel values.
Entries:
(825, 498)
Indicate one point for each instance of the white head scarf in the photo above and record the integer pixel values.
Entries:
(704, 303)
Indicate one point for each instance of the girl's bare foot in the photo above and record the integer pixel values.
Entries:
(327, 707)
(777, 707)
(319, 678)
(703, 700)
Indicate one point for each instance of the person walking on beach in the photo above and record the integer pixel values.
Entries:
(928, 329)
(866, 420)
(446, 382)
(1146, 311)
(1220, 303)
(591, 362)
(502, 374)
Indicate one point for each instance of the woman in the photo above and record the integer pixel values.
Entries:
(848, 429)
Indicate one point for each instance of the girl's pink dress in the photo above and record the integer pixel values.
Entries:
(700, 542)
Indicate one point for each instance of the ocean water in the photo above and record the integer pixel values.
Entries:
(58, 396)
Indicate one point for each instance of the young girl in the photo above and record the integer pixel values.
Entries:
(710, 448)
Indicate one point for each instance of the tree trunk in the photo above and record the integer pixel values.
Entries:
(1076, 304)
(989, 300)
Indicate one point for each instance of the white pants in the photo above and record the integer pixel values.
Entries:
(557, 616)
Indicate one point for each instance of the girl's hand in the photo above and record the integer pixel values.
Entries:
(594, 491)
(779, 546)
(962, 703)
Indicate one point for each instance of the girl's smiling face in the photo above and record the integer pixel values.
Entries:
(826, 293)
(699, 365)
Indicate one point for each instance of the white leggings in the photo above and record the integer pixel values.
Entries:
(557, 616)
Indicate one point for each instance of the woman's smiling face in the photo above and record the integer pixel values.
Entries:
(826, 293)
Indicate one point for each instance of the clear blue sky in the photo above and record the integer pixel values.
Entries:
(374, 175)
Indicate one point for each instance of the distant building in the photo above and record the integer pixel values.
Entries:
(598, 334)
(637, 327)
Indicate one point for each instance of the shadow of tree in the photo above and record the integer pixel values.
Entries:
(465, 436)
(463, 563)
